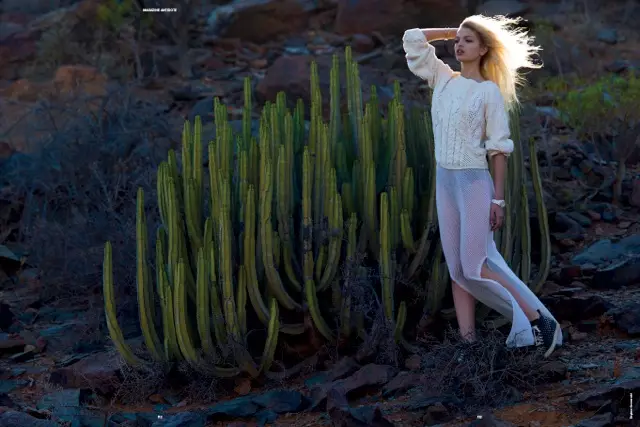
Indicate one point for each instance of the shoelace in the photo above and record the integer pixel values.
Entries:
(537, 335)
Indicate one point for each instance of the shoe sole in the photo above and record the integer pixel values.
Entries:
(554, 342)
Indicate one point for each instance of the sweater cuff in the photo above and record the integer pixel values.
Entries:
(504, 146)
(414, 35)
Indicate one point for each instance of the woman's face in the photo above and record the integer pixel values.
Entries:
(468, 46)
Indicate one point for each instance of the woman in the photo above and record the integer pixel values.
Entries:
(470, 123)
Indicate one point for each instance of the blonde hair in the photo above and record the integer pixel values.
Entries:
(509, 49)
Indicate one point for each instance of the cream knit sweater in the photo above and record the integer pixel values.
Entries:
(469, 117)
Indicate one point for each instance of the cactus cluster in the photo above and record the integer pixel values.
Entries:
(272, 236)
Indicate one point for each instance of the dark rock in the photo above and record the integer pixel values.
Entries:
(617, 66)
(576, 308)
(503, 7)
(581, 219)
(183, 419)
(281, 401)
(371, 375)
(601, 396)
(274, 401)
(627, 318)
(403, 382)
(342, 415)
(554, 371)
(20, 419)
(11, 345)
(617, 263)
(260, 20)
(424, 401)
(609, 36)
(437, 414)
(565, 227)
(6, 316)
(291, 74)
(601, 420)
(97, 372)
(64, 405)
(362, 43)
(394, 16)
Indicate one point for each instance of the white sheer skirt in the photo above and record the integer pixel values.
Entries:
(463, 200)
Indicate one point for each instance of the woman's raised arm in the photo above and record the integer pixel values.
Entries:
(421, 55)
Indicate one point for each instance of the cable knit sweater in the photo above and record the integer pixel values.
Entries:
(469, 117)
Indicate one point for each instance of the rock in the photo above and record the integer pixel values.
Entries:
(11, 345)
(601, 420)
(608, 36)
(371, 375)
(601, 396)
(565, 227)
(342, 414)
(437, 414)
(362, 43)
(503, 7)
(259, 20)
(275, 401)
(576, 308)
(80, 78)
(291, 74)
(6, 316)
(554, 371)
(627, 318)
(617, 263)
(395, 16)
(9, 28)
(634, 199)
(20, 419)
(64, 405)
(403, 382)
(98, 372)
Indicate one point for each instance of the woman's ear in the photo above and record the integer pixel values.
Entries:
(483, 50)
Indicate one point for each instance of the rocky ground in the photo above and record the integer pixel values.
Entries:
(62, 100)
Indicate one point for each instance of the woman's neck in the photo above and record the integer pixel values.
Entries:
(471, 71)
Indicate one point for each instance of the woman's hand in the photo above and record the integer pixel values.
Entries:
(496, 217)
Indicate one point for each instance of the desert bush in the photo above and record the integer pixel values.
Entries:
(284, 237)
(76, 189)
(482, 374)
(606, 109)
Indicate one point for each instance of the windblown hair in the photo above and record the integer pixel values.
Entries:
(509, 49)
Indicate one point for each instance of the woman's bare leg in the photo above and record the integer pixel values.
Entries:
(487, 273)
(465, 305)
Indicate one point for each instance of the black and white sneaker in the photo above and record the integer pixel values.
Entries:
(545, 332)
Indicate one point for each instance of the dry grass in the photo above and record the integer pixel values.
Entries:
(483, 374)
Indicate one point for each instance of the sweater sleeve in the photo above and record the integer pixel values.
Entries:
(421, 58)
(497, 124)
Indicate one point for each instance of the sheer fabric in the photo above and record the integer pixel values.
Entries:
(463, 199)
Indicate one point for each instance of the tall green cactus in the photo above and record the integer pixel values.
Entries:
(283, 220)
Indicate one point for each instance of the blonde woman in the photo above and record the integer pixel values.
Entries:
(471, 123)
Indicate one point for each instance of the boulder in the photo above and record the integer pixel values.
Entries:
(260, 20)
(395, 16)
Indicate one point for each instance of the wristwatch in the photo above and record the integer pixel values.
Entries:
(500, 203)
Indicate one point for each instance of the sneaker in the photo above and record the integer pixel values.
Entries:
(545, 333)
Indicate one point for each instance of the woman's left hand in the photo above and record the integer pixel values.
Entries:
(496, 217)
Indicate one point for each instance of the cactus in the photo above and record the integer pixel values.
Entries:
(282, 221)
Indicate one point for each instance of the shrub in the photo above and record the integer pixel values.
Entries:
(605, 109)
